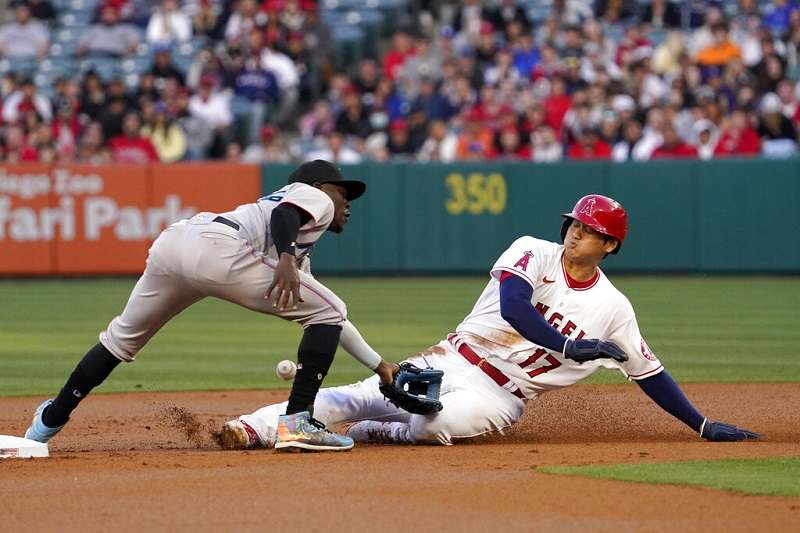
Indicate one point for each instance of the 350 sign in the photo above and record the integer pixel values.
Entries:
(476, 193)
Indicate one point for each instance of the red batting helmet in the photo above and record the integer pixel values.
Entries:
(600, 213)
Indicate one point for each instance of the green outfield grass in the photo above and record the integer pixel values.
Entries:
(705, 329)
(777, 476)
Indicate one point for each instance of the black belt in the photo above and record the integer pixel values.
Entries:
(223, 220)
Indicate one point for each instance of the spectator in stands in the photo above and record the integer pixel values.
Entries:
(780, 14)
(721, 50)
(91, 149)
(476, 142)
(367, 78)
(509, 145)
(255, 93)
(42, 10)
(24, 38)
(112, 115)
(270, 148)
(485, 49)
(790, 100)
(353, 119)
(167, 137)
(589, 145)
(673, 146)
(93, 96)
(213, 108)
(26, 100)
(163, 68)
(425, 63)
(545, 145)
(111, 37)
(233, 152)
(288, 78)
(503, 15)
(199, 134)
(703, 37)
(336, 151)
(737, 138)
(206, 18)
(662, 14)
(624, 149)
(66, 131)
(778, 134)
(317, 122)
(17, 148)
(526, 55)
(430, 103)
(402, 48)
(440, 145)
(244, 19)
(168, 25)
(705, 136)
(130, 146)
(400, 143)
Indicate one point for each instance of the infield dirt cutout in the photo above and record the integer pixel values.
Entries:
(149, 461)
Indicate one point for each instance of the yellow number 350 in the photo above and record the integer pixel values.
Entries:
(477, 194)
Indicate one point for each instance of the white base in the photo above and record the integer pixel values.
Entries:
(17, 447)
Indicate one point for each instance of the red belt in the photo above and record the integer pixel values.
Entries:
(488, 368)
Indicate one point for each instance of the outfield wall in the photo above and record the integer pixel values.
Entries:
(83, 219)
(687, 216)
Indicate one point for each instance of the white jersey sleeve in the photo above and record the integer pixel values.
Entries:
(313, 201)
(525, 258)
(317, 204)
(642, 362)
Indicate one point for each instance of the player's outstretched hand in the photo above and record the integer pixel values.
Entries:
(285, 284)
(721, 432)
(590, 349)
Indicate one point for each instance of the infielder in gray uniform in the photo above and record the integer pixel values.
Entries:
(256, 256)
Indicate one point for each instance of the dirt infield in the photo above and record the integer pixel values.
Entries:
(132, 462)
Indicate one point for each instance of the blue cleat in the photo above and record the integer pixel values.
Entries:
(301, 431)
(38, 431)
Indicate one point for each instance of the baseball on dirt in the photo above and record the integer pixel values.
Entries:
(286, 369)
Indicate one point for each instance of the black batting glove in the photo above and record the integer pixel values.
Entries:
(584, 350)
(721, 432)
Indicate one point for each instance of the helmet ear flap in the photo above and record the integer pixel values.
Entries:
(564, 227)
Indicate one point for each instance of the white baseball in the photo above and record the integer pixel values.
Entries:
(286, 369)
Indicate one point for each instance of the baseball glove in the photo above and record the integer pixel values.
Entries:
(415, 389)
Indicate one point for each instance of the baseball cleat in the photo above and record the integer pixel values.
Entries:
(239, 435)
(38, 431)
(301, 431)
(370, 431)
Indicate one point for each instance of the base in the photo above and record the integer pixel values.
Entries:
(17, 447)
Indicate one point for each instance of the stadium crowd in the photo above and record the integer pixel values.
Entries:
(619, 80)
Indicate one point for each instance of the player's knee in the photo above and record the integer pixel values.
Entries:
(333, 314)
(123, 347)
(432, 429)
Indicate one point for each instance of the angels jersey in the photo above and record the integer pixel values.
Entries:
(593, 309)
(254, 219)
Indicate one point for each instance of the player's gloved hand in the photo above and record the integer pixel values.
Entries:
(721, 432)
(590, 349)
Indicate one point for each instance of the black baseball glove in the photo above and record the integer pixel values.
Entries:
(584, 350)
(415, 389)
(722, 432)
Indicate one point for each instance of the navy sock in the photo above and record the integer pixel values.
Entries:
(314, 358)
(92, 370)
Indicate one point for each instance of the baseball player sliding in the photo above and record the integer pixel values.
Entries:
(548, 318)
(257, 256)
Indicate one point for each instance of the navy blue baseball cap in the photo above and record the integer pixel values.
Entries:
(321, 171)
